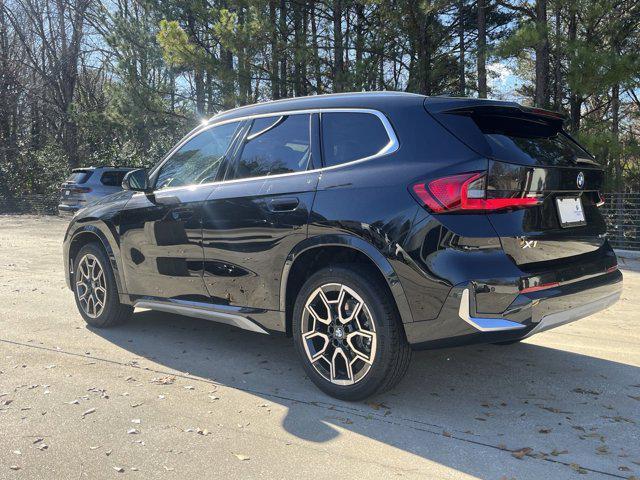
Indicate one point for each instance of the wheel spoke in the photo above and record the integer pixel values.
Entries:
(96, 273)
(84, 268)
(91, 306)
(82, 295)
(339, 352)
(103, 292)
(358, 339)
(308, 337)
(326, 319)
(346, 294)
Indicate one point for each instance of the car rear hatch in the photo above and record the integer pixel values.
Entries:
(73, 189)
(553, 182)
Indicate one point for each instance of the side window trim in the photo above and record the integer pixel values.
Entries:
(234, 150)
(318, 163)
(315, 137)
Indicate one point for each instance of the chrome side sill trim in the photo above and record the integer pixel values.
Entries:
(203, 313)
(484, 324)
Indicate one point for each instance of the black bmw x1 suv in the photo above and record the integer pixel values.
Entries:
(363, 225)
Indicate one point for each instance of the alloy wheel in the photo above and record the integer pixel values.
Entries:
(91, 286)
(338, 334)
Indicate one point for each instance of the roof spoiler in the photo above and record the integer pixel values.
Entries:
(473, 106)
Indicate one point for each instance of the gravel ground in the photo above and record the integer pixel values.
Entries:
(171, 397)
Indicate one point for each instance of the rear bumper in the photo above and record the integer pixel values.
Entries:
(459, 324)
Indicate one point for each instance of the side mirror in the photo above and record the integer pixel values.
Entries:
(137, 180)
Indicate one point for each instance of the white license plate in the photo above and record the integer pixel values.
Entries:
(570, 211)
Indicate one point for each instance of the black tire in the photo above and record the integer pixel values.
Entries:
(392, 354)
(113, 312)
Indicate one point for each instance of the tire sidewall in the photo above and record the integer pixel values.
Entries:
(357, 279)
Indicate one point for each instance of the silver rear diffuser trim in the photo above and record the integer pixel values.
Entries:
(484, 324)
(557, 319)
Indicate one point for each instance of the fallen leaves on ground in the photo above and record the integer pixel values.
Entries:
(168, 380)
(377, 405)
(88, 412)
(554, 410)
(586, 391)
(578, 468)
(519, 454)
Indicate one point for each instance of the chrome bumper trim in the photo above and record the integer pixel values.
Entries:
(576, 313)
(484, 324)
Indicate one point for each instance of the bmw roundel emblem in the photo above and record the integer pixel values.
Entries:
(580, 180)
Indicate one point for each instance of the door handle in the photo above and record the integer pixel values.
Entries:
(283, 204)
(182, 214)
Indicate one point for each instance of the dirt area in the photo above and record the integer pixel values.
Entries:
(170, 397)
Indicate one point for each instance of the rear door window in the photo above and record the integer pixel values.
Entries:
(349, 136)
(79, 176)
(274, 145)
(113, 178)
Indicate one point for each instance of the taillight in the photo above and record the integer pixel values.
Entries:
(600, 201)
(467, 192)
(537, 288)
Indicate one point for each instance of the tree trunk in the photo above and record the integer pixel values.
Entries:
(275, 52)
(284, 36)
(482, 49)
(299, 44)
(557, 71)
(575, 101)
(198, 79)
(542, 56)
(360, 73)
(462, 87)
(338, 48)
(314, 45)
(228, 87)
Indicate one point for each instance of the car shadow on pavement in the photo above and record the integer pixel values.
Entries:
(488, 397)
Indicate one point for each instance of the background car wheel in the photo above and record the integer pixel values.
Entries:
(348, 333)
(95, 290)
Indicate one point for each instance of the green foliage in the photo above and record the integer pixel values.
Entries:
(176, 49)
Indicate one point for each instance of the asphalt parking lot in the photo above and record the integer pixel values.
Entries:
(170, 397)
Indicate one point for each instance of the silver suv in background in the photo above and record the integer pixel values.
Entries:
(85, 185)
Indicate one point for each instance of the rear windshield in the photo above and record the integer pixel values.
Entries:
(79, 176)
(112, 179)
(516, 138)
(529, 143)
